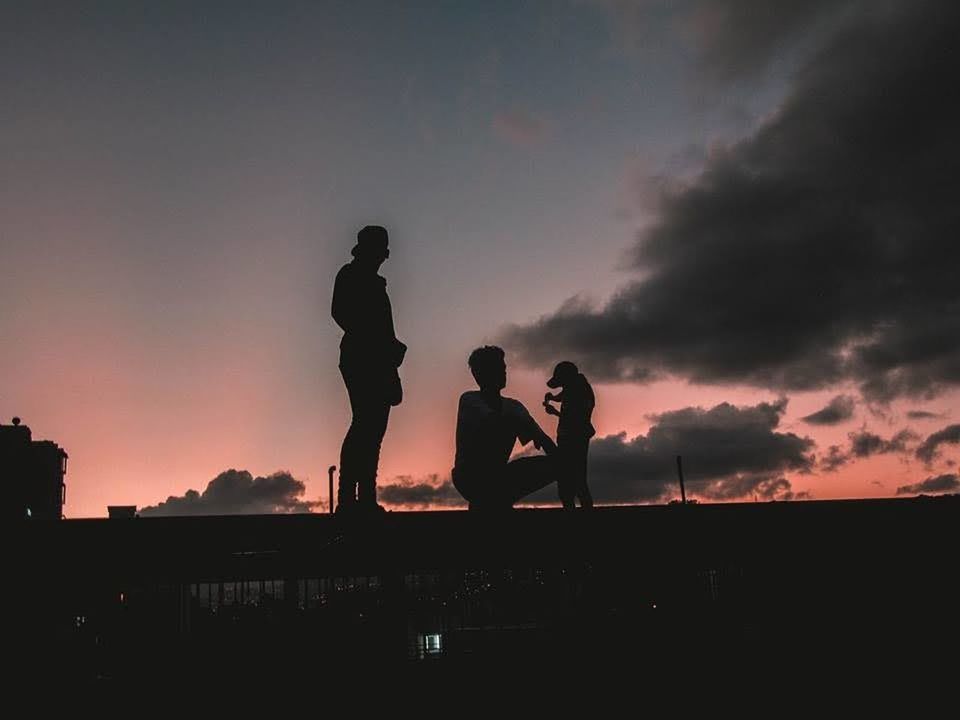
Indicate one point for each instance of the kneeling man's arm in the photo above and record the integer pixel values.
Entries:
(544, 442)
(528, 430)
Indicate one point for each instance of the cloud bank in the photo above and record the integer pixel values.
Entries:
(819, 250)
(237, 492)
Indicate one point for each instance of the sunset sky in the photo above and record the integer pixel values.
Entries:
(739, 217)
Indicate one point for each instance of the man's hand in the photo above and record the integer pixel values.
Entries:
(543, 442)
(551, 410)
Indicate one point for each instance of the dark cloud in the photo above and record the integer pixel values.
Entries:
(757, 487)
(837, 410)
(940, 484)
(237, 492)
(923, 415)
(864, 444)
(835, 459)
(728, 452)
(929, 449)
(430, 492)
(819, 250)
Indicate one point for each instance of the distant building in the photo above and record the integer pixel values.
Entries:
(31, 474)
(117, 512)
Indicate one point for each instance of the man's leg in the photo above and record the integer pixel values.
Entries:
(466, 485)
(349, 451)
(567, 485)
(577, 463)
(374, 427)
(586, 498)
(567, 489)
(526, 475)
(481, 491)
(360, 453)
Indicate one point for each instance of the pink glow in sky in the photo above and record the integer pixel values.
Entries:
(178, 191)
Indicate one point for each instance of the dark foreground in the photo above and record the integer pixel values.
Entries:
(798, 593)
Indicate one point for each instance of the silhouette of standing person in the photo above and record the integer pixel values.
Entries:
(370, 354)
(574, 431)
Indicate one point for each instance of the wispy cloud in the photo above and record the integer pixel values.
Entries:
(837, 411)
(930, 448)
(939, 484)
(519, 127)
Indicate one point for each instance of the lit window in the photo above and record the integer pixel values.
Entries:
(431, 644)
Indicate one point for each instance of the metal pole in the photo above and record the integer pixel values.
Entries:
(330, 471)
(683, 492)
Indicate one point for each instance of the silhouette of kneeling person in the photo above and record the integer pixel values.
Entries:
(369, 357)
(488, 425)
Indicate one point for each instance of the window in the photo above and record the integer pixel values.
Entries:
(431, 644)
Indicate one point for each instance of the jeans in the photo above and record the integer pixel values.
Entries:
(360, 453)
(572, 479)
(500, 487)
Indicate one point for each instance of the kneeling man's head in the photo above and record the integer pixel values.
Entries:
(488, 367)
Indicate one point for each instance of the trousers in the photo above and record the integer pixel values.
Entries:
(360, 452)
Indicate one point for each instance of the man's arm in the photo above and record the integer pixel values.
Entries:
(343, 306)
(528, 430)
(544, 442)
(550, 409)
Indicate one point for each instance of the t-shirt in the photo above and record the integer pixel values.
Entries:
(485, 437)
(362, 309)
(576, 409)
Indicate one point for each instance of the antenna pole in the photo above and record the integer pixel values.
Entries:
(683, 492)
(330, 471)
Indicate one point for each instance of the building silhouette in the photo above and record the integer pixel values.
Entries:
(31, 475)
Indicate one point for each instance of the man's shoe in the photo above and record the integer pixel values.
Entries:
(371, 509)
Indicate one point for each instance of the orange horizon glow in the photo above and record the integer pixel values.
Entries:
(123, 453)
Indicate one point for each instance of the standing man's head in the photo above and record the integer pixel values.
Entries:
(564, 373)
(371, 248)
(489, 367)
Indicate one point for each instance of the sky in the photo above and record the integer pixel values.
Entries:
(739, 219)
